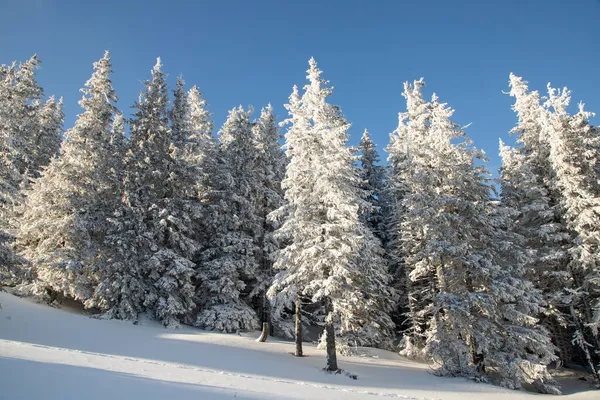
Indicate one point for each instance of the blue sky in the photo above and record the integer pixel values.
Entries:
(252, 52)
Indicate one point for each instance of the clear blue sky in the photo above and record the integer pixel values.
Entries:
(252, 52)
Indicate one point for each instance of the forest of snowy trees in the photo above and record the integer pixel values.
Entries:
(156, 214)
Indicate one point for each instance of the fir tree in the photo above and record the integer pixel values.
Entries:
(573, 156)
(229, 262)
(23, 118)
(49, 135)
(558, 154)
(153, 238)
(9, 176)
(332, 256)
(63, 221)
(417, 287)
(269, 171)
(373, 176)
(481, 312)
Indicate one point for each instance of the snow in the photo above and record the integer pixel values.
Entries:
(55, 354)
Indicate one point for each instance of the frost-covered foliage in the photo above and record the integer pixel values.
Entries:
(373, 176)
(269, 171)
(526, 187)
(29, 127)
(416, 290)
(151, 240)
(29, 136)
(61, 226)
(200, 140)
(331, 255)
(169, 221)
(229, 261)
(551, 178)
(471, 309)
(49, 135)
(9, 176)
(574, 158)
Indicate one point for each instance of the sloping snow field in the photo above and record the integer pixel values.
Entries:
(47, 353)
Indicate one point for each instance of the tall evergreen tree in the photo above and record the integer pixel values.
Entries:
(9, 176)
(29, 137)
(332, 257)
(480, 309)
(269, 171)
(48, 136)
(24, 126)
(544, 238)
(201, 142)
(62, 224)
(573, 156)
(229, 261)
(404, 240)
(558, 154)
(30, 132)
(152, 240)
(373, 176)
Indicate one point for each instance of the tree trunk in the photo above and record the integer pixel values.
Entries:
(330, 340)
(264, 333)
(298, 328)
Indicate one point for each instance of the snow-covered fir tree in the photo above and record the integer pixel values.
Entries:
(9, 176)
(573, 156)
(373, 176)
(544, 239)
(416, 289)
(10, 263)
(23, 125)
(229, 263)
(269, 171)
(200, 148)
(201, 142)
(332, 257)
(30, 132)
(48, 136)
(152, 240)
(63, 221)
(557, 156)
(526, 187)
(480, 311)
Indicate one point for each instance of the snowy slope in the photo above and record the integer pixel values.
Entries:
(54, 354)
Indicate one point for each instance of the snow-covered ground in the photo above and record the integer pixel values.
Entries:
(46, 353)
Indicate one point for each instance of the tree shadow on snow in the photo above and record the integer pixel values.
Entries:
(67, 382)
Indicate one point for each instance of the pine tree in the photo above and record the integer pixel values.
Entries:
(62, 223)
(544, 238)
(24, 126)
(557, 160)
(373, 176)
(481, 312)
(269, 172)
(573, 156)
(29, 130)
(153, 240)
(10, 263)
(200, 153)
(417, 287)
(49, 135)
(9, 177)
(332, 257)
(229, 261)
(201, 143)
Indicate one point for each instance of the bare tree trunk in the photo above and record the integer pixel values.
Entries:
(330, 340)
(264, 333)
(298, 328)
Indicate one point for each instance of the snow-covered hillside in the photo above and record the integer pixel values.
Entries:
(55, 354)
